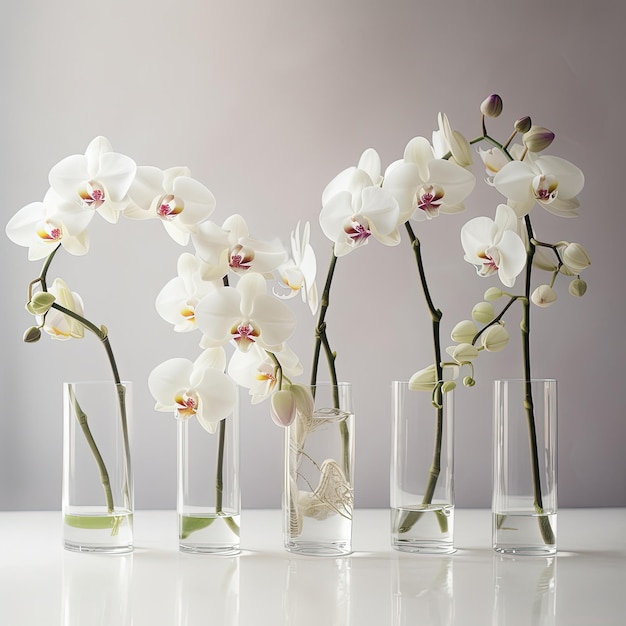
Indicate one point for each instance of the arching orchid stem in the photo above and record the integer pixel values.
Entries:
(413, 516)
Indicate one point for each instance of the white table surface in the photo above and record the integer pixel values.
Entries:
(41, 583)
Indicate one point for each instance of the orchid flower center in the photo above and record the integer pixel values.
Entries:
(50, 232)
(545, 188)
(244, 336)
(491, 261)
(92, 195)
(187, 404)
(357, 230)
(168, 208)
(240, 259)
(428, 198)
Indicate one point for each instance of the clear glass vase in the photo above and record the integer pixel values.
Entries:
(97, 501)
(318, 493)
(524, 505)
(209, 495)
(422, 471)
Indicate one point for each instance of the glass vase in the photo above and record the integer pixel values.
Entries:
(209, 495)
(318, 492)
(97, 501)
(422, 471)
(524, 505)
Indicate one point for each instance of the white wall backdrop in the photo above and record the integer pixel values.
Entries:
(266, 102)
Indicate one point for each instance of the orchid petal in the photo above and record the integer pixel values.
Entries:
(167, 380)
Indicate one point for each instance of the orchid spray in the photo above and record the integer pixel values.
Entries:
(80, 187)
(508, 245)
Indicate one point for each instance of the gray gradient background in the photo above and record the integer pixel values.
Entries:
(266, 102)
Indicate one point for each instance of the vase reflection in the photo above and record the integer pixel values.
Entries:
(96, 590)
(422, 592)
(524, 591)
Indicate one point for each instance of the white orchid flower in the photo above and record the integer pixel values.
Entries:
(42, 226)
(98, 180)
(181, 202)
(256, 370)
(57, 324)
(231, 248)
(177, 300)
(551, 181)
(245, 314)
(298, 272)
(494, 159)
(355, 178)
(446, 140)
(424, 185)
(494, 245)
(200, 388)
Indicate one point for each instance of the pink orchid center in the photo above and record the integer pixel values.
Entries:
(244, 336)
(92, 195)
(545, 187)
(186, 404)
(168, 208)
(428, 199)
(50, 232)
(491, 260)
(240, 259)
(357, 230)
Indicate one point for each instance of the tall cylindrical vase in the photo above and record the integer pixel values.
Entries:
(209, 495)
(97, 477)
(318, 490)
(422, 471)
(524, 504)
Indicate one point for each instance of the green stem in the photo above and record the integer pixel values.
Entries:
(412, 517)
(219, 474)
(544, 523)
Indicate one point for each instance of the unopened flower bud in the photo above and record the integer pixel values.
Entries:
(491, 106)
(493, 293)
(32, 334)
(523, 124)
(578, 287)
(537, 138)
(483, 312)
(576, 257)
(468, 381)
(464, 332)
(40, 303)
(283, 407)
(449, 385)
(463, 353)
(543, 296)
(495, 338)
(424, 380)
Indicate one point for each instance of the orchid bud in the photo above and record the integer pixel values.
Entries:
(32, 334)
(578, 287)
(304, 399)
(495, 338)
(468, 381)
(537, 138)
(483, 312)
(464, 353)
(283, 407)
(576, 257)
(523, 124)
(424, 380)
(543, 296)
(464, 332)
(40, 303)
(491, 106)
(449, 385)
(493, 293)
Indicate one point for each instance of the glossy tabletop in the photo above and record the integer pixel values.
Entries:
(585, 584)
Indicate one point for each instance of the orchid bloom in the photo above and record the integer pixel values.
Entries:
(256, 370)
(354, 207)
(177, 300)
(245, 314)
(494, 245)
(424, 185)
(231, 248)
(180, 201)
(98, 180)
(57, 324)
(446, 140)
(42, 226)
(551, 181)
(200, 388)
(298, 272)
